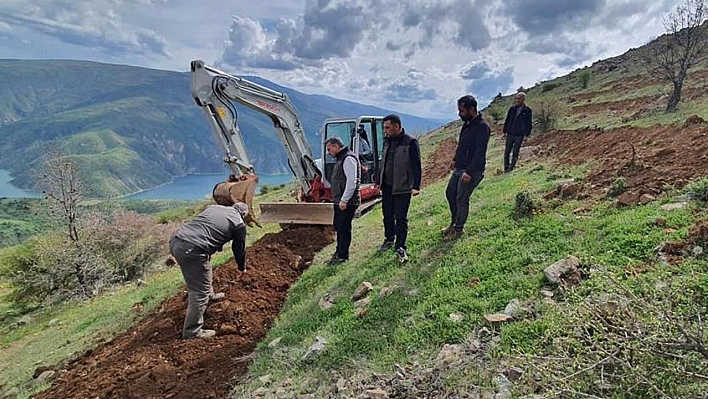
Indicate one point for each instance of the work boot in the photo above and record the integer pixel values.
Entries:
(453, 235)
(203, 334)
(335, 260)
(217, 297)
(386, 246)
(447, 230)
(402, 255)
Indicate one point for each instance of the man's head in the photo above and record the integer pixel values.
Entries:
(520, 98)
(333, 145)
(392, 125)
(467, 107)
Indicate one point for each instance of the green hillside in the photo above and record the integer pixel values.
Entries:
(131, 128)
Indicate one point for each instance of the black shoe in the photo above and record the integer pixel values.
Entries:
(386, 246)
(335, 260)
(402, 255)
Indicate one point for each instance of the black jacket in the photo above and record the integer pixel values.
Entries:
(407, 170)
(471, 154)
(518, 125)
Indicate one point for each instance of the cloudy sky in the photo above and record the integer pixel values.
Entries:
(413, 56)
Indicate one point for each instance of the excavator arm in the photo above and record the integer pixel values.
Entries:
(216, 92)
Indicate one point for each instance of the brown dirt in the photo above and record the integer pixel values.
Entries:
(437, 164)
(662, 155)
(151, 361)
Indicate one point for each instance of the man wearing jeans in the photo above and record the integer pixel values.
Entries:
(192, 246)
(399, 179)
(467, 165)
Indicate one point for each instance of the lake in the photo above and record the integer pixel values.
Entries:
(190, 187)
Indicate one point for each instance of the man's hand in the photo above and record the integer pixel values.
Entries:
(342, 206)
(414, 192)
(452, 165)
(503, 136)
(466, 177)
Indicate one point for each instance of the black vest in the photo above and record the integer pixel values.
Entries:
(339, 179)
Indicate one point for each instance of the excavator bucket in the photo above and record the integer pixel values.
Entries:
(297, 212)
(241, 189)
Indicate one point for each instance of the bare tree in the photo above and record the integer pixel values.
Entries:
(63, 191)
(683, 47)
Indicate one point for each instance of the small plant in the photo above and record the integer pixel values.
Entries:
(546, 114)
(619, 185)
(524, 206)
(584, 78)
(548, 87)
(698, 190)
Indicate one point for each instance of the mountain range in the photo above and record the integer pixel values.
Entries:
(130, 128)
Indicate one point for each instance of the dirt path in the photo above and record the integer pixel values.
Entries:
(150, 361)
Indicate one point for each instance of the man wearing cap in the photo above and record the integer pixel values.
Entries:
(192, 246)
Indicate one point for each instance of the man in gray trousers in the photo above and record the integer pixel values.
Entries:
(192, 246)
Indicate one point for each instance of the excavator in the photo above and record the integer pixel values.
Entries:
(217, 93)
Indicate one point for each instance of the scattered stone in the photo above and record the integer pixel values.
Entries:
(673, 207)
(361, 312)
(513, 374)
(503, 387)
(697, 250)
(377, 393)
(546, 293)
(386, 291)
(274, 343)
(26, 319)
(581, 211)
(628, 199)
(515, 309)
(362, 303)
(484, 334)
(474, 281)
(565, 272)
(609, 304)
(363, 290)
(341, 385)
(265, 379)
(645, 199)
(141, 283)
(325, 302)
(53, 322)
(661, 222)
(317, 347)
(456, 317)
(449, 354)
(260, 392)
(569, 190)
(496, 318)
(528, 151)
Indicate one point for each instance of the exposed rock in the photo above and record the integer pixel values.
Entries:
(450, 353)
(265, 379)
(325, 302)
(674, 206)
(661, 222)
(363, 290)
(456, 317)
(569, 190)
(546, 293)
(496, 318)
(528, 151)
(646, 199)
(515, 309)
(377, 393)
(275, 342)
(318, 346)
(628, 198)
(362, 303)
(513, 374)
(361, 312)
(565, 272)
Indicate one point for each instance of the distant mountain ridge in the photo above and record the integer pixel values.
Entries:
(132, 128)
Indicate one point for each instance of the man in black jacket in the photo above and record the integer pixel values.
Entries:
(399, 179)
(517, 126)
(467, 165)
(345, 195)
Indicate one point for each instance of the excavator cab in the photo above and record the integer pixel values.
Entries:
(364, 136)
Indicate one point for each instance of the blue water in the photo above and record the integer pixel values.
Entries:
(196, 187)
(10, 191)
(191, 187)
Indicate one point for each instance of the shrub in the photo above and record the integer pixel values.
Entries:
(524, 205)
(548, 87)
(546, 113)
(584, 78)
(619, 185)
(698, 190)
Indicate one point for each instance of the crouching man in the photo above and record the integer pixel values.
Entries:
(192, 246)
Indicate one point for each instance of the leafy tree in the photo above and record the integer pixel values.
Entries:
(683, 47)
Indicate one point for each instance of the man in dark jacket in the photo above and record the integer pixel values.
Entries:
(467, 165)
(517, 126)
(399, 180)
(192, 246)
(345, 195)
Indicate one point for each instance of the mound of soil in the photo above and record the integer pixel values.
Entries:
(151, 361)
(437, 164)
(649, 159)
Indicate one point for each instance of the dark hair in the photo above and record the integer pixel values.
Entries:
(334, 140)
(468, 101)
(393, 118)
